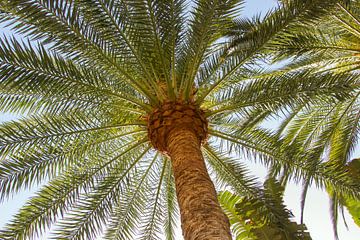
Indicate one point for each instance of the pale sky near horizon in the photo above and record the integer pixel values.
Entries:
(317, 218)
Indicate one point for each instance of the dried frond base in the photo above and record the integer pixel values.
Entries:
(175, 115)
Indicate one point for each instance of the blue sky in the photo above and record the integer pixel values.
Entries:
(317, 216)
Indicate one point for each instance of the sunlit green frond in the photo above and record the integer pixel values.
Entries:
(292, 89)
(60, 194)
(152, 215)
(24, 103)
(231, 172)
(66, 29)
(170, 222)
(261, 145)
(158, 31)
(40, 148)
(41, 132)
(250, 38)
(351, 204)
(238, 228)
(353, 207)
(339, 201)
(88, 216)
(264, 217)
(257, 143)
(28, 70)
(127, 213)
(208, 21)
(325, 48)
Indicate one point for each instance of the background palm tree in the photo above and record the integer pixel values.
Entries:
(325, 133)
(125, 100)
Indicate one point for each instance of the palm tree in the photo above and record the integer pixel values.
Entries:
(125, 100)
(325, 133)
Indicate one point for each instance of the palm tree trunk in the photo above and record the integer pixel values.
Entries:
(201, 215)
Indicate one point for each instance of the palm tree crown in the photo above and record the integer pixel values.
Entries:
(125, 99)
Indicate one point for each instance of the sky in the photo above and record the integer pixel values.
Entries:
(317, 218)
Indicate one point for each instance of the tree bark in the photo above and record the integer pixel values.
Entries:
(201, 215)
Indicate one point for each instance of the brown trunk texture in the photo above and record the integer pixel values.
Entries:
(201, 215)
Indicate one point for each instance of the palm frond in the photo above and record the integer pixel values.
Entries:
(91, 212)
(61, 193)
(64, 26)
(263, 217)
(172, 217)
(152, 215)
(230, 172)
(292, 89)
(126, 215)
(49, 131)
(25, 69)
(208, 20)
(21, 171)
(250, 38)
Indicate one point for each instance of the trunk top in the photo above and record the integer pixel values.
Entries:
(172, 115)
